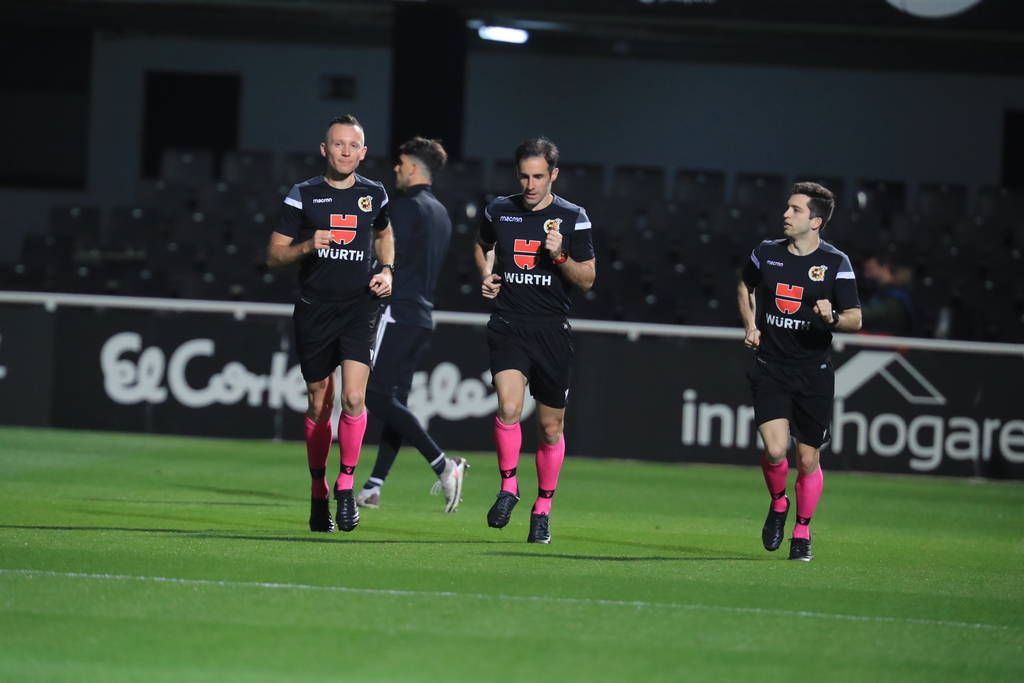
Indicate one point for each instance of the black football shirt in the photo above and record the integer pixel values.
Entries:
(786, 287)
(531, 284)
(354, 215)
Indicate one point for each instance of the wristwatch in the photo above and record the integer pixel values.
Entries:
(389, 266)
(835, 319)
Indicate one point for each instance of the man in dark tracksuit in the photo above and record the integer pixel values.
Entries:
(422, 232)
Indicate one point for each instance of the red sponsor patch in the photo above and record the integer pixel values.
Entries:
(788, 298)
(526, 253)
(343, 220)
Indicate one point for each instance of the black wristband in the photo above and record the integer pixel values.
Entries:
(835, 320)
(389, 266)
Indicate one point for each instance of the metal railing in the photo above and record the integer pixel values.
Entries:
(240, 309)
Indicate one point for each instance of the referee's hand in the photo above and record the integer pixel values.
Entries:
(321, 239)
(380, 284)
(491, 286)
(823, 307)
(753, 338)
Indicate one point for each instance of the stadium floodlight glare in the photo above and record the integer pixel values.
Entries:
(503, 34)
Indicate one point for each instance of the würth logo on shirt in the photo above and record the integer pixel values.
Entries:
(343, 228)
(525, 254)
(787, 298)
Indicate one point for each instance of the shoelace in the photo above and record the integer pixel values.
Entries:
(349, 511)
(542, 527)
(436, 488)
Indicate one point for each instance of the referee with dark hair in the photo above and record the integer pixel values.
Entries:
(423, 231)
(796, 291)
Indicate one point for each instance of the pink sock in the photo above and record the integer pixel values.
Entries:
(549, 464)
(808, 491)
(775, 477)
(509, 440)
(350, 438)
(318, 447)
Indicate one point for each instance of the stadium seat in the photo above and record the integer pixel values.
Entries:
(132, 226)
(171, 197)
(702, 189)
(78, 224)
(763, 190)
(299, 166)
(189, 167)
(1000, 204)
(248, 168)
(638, 184)
(941, 202)
(463, 178)
(881, 198)
(376, 168)
(582, 184)
(503, 178)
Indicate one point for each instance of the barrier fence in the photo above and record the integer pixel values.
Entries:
(640, 391)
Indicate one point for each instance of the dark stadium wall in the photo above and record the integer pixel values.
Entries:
(893, 125)
(916, 127)
(857, 124)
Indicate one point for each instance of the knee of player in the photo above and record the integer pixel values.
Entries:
(807, 462)
(353, 400)
(510, 411)
(776, 451)
(551, 429)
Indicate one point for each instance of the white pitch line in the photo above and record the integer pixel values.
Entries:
(268, 585)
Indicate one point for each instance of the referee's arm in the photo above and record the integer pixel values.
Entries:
(745, 300)
(850, 320)
(282, 251)
(483, 256)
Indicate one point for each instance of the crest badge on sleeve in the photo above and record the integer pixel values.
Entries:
(552, 224)
(366, 204)
(817, 273)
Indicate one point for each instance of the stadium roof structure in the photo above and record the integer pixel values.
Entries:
(970, 36)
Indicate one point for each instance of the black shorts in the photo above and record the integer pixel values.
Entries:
(541, 349)
(802, 394)
(396, 356)
(329, 332)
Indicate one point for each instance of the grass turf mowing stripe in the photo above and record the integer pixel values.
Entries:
(504, 597)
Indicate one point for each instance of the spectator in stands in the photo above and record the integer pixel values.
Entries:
(887, 307)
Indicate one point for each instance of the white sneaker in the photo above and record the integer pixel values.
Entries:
(450, 481)
(368, 498)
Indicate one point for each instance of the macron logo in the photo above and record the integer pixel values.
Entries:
(510, 219)
(322, 200)
(770, 262)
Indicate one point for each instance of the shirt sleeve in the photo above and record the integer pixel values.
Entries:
(752, 269)
(291, 213)
(846, 286)
(486, 232)
(384, 215)
(581, 240)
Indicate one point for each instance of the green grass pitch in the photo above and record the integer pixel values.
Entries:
(152, 558)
